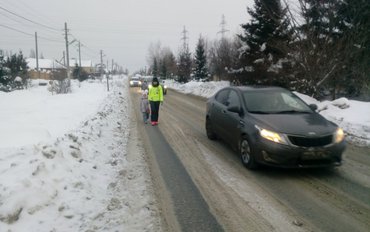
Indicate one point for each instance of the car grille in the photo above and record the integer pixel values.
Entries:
(311, 142)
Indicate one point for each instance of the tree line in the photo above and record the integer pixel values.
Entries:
(320, 48)
(13, 72)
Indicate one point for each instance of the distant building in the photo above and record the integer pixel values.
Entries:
(49, 69)
(53, 70)
(86, 65)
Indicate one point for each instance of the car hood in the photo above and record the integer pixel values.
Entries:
(306, 124)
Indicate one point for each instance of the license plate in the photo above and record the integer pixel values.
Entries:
(315, 155)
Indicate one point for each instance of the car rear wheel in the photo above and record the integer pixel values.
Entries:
(210, 133)
(246, 154)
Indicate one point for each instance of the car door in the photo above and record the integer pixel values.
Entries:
(231, 121)
(218, 109)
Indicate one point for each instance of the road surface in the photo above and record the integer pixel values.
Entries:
(220, 194)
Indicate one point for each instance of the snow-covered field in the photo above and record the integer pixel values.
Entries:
(352, 116)
(63, 162)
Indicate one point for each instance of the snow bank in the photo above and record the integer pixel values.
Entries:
(204, 89)
(81, 180)
(34, 115)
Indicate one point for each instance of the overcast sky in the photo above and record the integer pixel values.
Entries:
(123, 29)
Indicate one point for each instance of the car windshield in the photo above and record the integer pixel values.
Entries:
(274, 102)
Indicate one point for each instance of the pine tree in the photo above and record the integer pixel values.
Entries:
(4, 73)
(163, 69)
(265, 44)
(14, 66)
(333, 54)
(17, 65)
(79, 73)
(201, 71)
(353, 21)
(184, 65)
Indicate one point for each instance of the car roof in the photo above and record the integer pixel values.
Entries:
(248, 88)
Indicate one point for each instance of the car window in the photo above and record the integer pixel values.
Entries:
(293, 102)
(222, 96)
(274, 102)
(233, 99)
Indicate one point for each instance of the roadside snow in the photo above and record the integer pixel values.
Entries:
(72, 179)
(352, 116)
(34, 115)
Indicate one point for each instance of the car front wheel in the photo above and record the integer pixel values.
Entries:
(246, 155)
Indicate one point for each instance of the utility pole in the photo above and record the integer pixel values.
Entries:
(101, 64)
(79, 53)
(184, 38)
(101, 69)
(112, 66)
(67, 51)
(223, 27)
(37, 56)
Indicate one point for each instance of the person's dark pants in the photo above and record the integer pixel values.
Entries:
(154, 107)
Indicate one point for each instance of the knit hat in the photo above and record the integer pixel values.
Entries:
(155, 80)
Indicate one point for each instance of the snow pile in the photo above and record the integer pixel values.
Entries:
(82, 180)
(204, 89)
(352, 116)
(33, 115)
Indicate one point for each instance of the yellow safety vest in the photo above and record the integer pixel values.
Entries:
(155, 93)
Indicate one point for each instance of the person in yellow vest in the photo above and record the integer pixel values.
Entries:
(155, 98)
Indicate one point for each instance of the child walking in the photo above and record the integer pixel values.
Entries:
(144, 106)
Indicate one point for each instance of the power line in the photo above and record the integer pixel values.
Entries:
(10, 12)
(31, 12)
(13, 29)
(25, 33)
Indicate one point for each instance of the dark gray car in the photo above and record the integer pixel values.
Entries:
(273, 126)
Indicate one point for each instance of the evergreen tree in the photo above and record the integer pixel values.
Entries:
(13, 67)
(353, 21)
(17, 65)
(184, 65)
(201, 71)
(163, 69)
(265, 42)
(4, 73)
(79, 73)
(332, 53)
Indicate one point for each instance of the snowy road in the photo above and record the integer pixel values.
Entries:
(264, 200)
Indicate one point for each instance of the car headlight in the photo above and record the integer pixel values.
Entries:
(339, 135)
(131, 82)
(139, 82)
(165, 86)
(272, 136)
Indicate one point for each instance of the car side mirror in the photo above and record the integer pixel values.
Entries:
(313, 107)
(235, 109)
